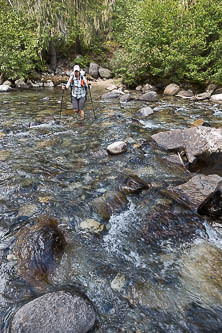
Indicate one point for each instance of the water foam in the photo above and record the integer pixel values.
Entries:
(117, 240)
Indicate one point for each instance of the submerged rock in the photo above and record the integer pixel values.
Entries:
(133, 184)
(91, 226)
(108, 203)
(201, 272)
(38, 248)
(61, 311)
(146, 111)
(162, 224)
(4, 155)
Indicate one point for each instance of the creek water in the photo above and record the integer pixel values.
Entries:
(49, 167)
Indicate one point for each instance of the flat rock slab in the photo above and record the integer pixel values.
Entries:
(195, 141)
(55, 312)
(195, 191)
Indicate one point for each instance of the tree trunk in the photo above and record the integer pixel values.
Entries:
(52, 56)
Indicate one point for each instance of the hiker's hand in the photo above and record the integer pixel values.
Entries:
(89, 86)
(63, 86)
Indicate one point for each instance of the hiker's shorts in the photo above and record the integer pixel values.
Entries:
(78, 104)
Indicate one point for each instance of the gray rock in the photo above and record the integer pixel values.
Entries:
(185, 94)
(216, 98)
(202, 96)
(196, 190)
(111, 87)
(94, 70)
(147, 88)
(7, 83)
(150, 96)
(108, 203)
(125, 98)
(21, 84)
(48, 84)
(146, 111)
(171, 90)
(113, 94)
(5, 87)
(105, 73)
(117, 147)
(133, 184)
(59, 312)
(195, 141)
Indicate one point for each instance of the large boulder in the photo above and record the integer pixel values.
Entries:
(194, 192)
(195, 141)
(38, 249)
(105, 73)
(61, 311)
(171, 90)
(94, 70)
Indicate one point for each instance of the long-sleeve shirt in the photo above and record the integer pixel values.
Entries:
(78, 88)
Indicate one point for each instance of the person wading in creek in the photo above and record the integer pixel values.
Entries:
(79, 86)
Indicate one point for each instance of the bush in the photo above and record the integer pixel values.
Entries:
(162, 39)
(20, 46)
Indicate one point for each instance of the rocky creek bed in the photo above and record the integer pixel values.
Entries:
(111, 224)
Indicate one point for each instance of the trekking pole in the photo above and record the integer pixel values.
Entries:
(60, 112)
(92, 103)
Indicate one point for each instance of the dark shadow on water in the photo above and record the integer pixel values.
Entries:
(207, 164)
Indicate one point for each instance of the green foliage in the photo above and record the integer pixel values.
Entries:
(82, 61)
(161, 39)
(20, 47)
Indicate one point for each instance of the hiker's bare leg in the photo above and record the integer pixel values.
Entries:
(81, 112)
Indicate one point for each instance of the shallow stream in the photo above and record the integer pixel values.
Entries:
(49, 165)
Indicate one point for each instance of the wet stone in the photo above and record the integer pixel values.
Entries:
(108, 203)
(55, 312)
(196, 190)
(38, 249)
(162, 224)
(4, 155)
(27, 210)
(117, 147)
(118, 282)
(133, 184)
(91, 226)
